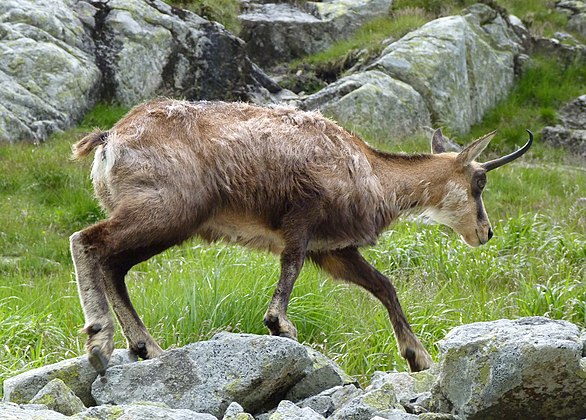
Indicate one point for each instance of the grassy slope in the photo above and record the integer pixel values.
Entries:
(535, 265)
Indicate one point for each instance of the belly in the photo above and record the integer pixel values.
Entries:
(257, 234)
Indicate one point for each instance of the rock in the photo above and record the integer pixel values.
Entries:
(460, 65)
(289, 411)
(323, 374)
(14, 411)
(278, 32)
(141, 411)
(255, 371)
(380, 402)
(76, 373)
(330, 400)
(527, 368)
(571, 132)
(57, 58)
(59, 397)
(576, 10)
(573, 114)
(149, 48)
(48, 77)
(572, 140)
(236, 412)
(564, 53)
(413, 390)
(372, 104)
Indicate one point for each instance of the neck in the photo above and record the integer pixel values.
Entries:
(411, 183)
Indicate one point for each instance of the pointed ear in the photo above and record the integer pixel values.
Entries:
(474, 149)
(438, 143)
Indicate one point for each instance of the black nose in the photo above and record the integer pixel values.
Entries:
(490, 233)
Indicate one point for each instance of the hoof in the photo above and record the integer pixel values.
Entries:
(418, 360)
(146, 351)
(98, 360)
(281, 327)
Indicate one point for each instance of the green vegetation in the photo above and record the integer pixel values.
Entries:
(222, 11)
(405, 15)
(535, 265)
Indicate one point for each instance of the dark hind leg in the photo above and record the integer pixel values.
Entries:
(102, 254)
(347, 264)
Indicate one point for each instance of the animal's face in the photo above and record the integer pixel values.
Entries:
(461, 206)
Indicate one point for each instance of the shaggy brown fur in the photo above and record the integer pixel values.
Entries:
(278, 179)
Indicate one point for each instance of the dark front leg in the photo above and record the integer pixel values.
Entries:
(276, 316)
(347, 264)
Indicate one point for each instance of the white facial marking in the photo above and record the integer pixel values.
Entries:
(453, 206)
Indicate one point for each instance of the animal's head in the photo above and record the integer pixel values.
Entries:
(461, 206)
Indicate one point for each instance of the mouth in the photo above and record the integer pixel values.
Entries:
(480, 240)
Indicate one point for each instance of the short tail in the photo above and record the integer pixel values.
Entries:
(83, 147)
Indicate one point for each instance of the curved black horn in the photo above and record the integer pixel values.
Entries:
(493, 164)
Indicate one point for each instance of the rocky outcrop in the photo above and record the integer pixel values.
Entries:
(373, 104)
(570, 133)
(77, 374)
(455, 69)
(277, 32)
(48, 75)
(576, 12)
(57, 58)
(526, 368)
(255, 371)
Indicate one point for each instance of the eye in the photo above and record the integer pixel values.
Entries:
(481, 182)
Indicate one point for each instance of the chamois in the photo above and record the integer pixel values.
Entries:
(279, 179)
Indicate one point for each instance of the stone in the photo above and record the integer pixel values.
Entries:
(236, 412)
(149, 48)
(277, 32)
(571, 132)
(462, 66)
(323, 374)
(576, 11)
(287, 410)
(59, 397)
(526, 368)
(573, 114)
(254, 371)
(14, 411)
(48, 77)
(373, 104)
(573, 141)
(76, 373)
(380, 402)
(58, 58)
(330, 400)
(140, 411)
(413, 390)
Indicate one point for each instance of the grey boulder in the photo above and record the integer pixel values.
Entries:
(254, 371)
(48, 78)
(571, 132)
(373, 104)
(14, 411)
(276, 31)
(527, 368)
(77, 374)
(59, 397)
(140, 411)
(460, 65)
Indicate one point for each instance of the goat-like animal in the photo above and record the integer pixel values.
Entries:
(277, 179)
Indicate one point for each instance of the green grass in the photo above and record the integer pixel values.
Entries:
(535, 265)
(223, 11)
